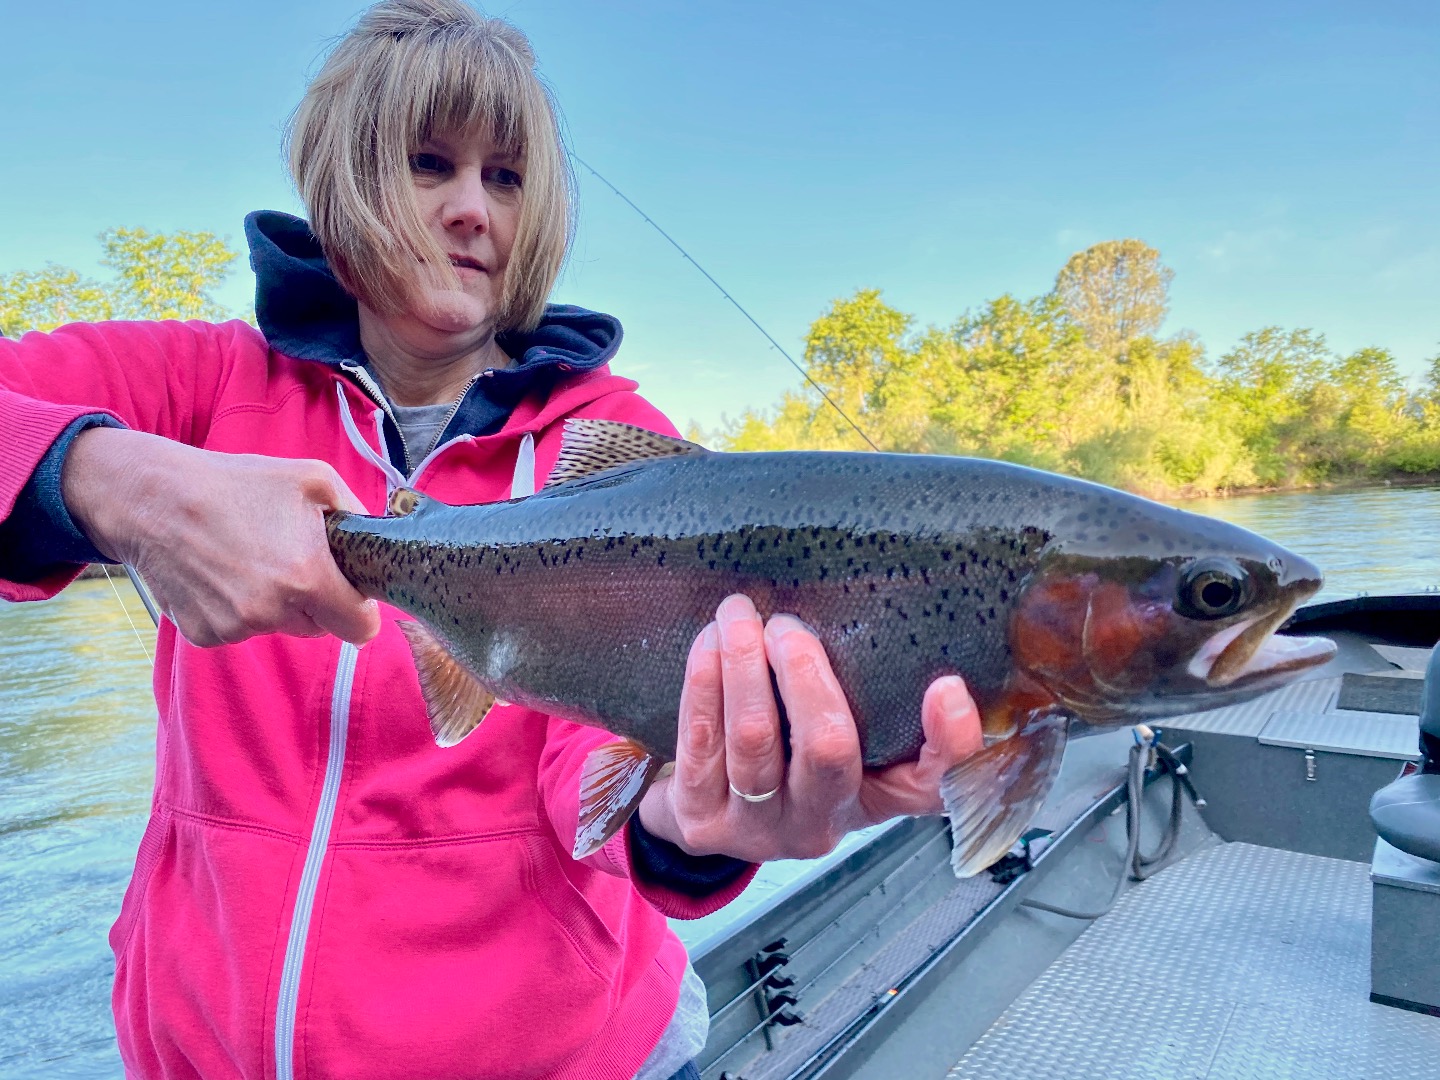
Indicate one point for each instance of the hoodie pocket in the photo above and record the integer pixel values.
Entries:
(464, 959)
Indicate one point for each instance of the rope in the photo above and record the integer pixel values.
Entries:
(1138, 866)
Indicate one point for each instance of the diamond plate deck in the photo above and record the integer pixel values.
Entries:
(1240, 963)
(1406, 658)
(1369, 734)
(1312, 696)
(928, 931)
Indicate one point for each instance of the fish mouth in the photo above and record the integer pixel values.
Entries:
(1250, 651)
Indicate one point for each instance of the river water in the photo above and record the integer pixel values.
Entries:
(77, 742)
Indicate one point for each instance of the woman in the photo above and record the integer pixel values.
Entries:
(320, 891)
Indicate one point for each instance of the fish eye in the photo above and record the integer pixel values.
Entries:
(1212, 589)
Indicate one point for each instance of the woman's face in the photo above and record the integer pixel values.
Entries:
(469, 196)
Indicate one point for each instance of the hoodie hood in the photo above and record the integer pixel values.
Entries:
(304, 312)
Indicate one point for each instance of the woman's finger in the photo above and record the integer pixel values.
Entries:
(754, 753)
(825, 767)
(700, 785)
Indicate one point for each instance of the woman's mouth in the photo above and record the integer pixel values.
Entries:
(464, 264)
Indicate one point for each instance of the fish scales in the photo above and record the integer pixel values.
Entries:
(906, 566)
(1057, 600)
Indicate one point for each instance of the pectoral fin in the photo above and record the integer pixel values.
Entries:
(454, 699)
(615, 779)
(991, 797)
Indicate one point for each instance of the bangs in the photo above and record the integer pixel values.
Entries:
(412, 70)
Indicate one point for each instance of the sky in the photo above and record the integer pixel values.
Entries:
(1283, 157)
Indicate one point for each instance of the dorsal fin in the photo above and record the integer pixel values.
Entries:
(591, 446)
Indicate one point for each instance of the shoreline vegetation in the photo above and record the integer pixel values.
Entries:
(1078, 381)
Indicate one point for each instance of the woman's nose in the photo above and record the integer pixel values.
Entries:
(467, 205)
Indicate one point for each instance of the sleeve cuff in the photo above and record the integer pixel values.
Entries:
(39, 536)
(679, 885)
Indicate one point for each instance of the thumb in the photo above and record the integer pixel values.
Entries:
(338, 608)
(952, 726)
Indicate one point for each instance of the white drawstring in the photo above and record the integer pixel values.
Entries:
(523, 486)
(394, 478)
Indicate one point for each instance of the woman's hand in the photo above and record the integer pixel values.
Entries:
(730, 737)
(231, 545)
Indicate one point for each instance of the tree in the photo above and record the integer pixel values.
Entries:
(1116, 291)
(166, 276)
(44, 299)
(157, 276)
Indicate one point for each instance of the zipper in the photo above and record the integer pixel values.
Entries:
(289, 998)
(435, 442)
(287, 1004)
(372, 389)
(376, 394)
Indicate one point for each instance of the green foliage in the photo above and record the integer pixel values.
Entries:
(1116, 291)
(1077, 381)
(156, 276)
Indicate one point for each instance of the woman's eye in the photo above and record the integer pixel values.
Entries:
(504, 177)
(428, 163)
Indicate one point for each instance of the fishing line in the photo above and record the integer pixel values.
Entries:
(723, 292)
(123, 607)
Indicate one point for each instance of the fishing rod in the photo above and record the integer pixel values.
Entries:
(725, 293)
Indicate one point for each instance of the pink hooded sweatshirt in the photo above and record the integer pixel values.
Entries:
(321, 891)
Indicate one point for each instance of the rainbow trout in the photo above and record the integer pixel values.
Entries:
(1067, 607)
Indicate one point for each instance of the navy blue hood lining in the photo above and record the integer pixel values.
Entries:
(304, 312)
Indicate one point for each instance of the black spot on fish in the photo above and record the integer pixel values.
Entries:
(944, 650)
(992, 613)
(952, 616)
(1004, 595)
(913, 641)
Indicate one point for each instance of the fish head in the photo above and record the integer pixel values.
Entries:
(1161, 612)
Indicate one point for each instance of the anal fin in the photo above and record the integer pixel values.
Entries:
(454, 698)
(614, 780)
(992, 796)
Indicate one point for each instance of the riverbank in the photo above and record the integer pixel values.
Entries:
(1398, 480)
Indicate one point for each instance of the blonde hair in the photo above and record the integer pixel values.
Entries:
(411, 69)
